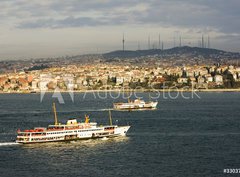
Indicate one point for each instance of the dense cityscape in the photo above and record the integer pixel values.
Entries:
(119, 88)
(96, 72)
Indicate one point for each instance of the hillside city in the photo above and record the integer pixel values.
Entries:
(110, 77)
(98, 72)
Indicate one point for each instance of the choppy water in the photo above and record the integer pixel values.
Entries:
(194, 137)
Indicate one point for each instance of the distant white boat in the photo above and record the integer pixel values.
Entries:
(136, 104)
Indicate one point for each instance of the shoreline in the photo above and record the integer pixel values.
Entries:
(122, 91)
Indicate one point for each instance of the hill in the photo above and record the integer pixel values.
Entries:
(176, 51)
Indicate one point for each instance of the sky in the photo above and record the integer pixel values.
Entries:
(52, 28)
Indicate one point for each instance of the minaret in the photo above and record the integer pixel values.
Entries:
(162, 45)
(123, 41)
(202, 42)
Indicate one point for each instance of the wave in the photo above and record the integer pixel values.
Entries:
(8, 144)
(95, 110)
(48, 112)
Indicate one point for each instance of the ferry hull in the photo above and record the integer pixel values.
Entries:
(65, 140)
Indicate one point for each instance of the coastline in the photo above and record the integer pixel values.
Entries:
(122, 91)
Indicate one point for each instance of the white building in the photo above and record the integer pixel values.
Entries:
(35, 84)
(182, 80)
(218, 79)
(209, 79)
(44, 80)
(119, 80)
(69, 81)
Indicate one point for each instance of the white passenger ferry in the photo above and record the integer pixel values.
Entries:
(136, 104)
(72, 130)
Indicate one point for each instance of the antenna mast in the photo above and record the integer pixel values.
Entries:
(159, 41)
(174, 41)
(208, 42)
(110, 117)
(55, 114)
(180, 41)
(148, 42)
(123, 40)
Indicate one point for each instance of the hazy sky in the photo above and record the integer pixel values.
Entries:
(42, 28)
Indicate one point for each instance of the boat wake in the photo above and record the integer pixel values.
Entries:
(8, 143)
(104, 138)
(94, 110)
